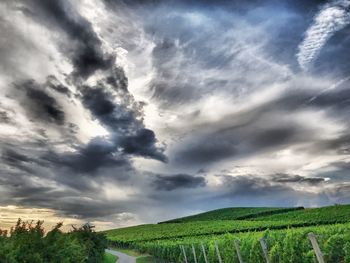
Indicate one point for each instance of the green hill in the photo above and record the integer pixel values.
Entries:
(232, 220)
(234, 213)
(321, 215)
(284, 228)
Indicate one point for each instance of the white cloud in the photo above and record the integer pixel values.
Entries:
(331, 18)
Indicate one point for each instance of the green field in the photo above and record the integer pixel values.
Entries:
(285, 232)
(332, 214)
(234, 213)
(124, 236)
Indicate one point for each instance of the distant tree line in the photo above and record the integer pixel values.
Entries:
(27, 242)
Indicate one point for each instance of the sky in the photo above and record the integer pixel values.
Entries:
(127, 112)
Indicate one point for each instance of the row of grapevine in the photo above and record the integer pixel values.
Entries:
(171, 231)
(285, 246)
(234, 213)
(295, 218)
(319, 215)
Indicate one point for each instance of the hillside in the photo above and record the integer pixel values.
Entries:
(322, 215)
(234, 213)
(285, 228)
(242, 220)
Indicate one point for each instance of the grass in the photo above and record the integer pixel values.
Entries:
(146, 259)
(109, 258)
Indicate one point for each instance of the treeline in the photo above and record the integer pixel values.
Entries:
(27, 242)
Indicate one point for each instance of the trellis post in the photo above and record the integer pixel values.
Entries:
(204, 253)
(194, 254)
(238, 250)
(218, 251)
(184, 253)
(316, 247)
(264, 249)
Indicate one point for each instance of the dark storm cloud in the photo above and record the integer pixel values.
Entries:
(172, 182)
(14, 157)
(97, 153)
(85, 48)
(40, 105)
(83, 202)
(252, 186)
(38, 173)
(266, 191)
(53, 83)
(117, 117)
(142, 144)
(206, 152)
(286, 178)
(118, 79)
(129, 132)
(31, 176)
(4, 117)
(236, 142)
(268, 127)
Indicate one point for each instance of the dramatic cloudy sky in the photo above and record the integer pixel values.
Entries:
(126, 112)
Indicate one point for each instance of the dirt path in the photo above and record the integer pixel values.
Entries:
(123, 258)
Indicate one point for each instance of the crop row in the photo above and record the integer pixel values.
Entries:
(234, 213)
(202, 228)
(125, 236)
(317, 215)
(285, 246)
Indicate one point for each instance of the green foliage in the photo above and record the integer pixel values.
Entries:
(285, 233)
(125, 236)
(109, 258)
(147, 259)
(285, 246)
(233, 213)
(323, 215)
(28, 243)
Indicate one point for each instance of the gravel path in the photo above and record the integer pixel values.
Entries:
(123, 258)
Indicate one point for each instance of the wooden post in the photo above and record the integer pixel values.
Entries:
(194, 254)
(204, 254)
(316, 247)
(238, 250)
(264, 249)
(184, 252)
(218, 251)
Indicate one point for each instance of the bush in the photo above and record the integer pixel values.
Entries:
(28, 243)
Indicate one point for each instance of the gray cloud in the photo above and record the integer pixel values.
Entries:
(267, 127)
(40, 105)
(85, 48)
(54, 84)
(91, 98)
(172, 182)
(4, 117)
(285, 178)
(87, 159)
(128, 131)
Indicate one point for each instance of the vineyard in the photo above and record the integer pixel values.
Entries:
(215, 240)
(234, 213)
